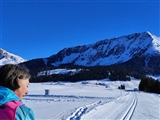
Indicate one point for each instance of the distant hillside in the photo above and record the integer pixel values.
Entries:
(6, 57)
(109, 51)
(118, 58)
(130, 55)
(106, 52)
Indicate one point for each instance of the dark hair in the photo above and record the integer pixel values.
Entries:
(9, 74)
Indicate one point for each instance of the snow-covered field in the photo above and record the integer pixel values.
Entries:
(92, 100)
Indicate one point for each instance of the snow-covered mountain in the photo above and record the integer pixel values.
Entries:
(6, 57)
(109, 51)
(139, 51)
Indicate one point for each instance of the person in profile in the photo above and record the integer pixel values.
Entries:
(14, 82)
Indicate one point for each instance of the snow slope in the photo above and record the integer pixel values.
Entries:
(88, 100)
(109, 51)
(9, 58)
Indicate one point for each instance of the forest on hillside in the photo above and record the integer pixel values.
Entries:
(114, 72)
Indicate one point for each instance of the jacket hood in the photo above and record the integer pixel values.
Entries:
(7, 95)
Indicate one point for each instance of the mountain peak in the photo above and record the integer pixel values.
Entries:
(148, 32)
(6, 58)
(110, 51)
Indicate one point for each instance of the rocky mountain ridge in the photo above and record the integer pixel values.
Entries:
(109, 51)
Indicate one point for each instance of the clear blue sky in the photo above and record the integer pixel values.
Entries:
(38, 29)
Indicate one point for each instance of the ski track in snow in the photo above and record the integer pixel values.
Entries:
(123, 107)
(128, 114)
(62, 98)
(82, 110)
(77, 112)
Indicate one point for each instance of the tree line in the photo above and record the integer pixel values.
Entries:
(114, 72)
(148, 84)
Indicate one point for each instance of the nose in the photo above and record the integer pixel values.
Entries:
(27, 92)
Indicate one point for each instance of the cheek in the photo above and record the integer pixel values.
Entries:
(18, 92)
(25, 90)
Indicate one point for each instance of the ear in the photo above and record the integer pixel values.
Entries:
(18, 81)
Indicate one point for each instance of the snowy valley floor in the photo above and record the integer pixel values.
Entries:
(92, 100)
